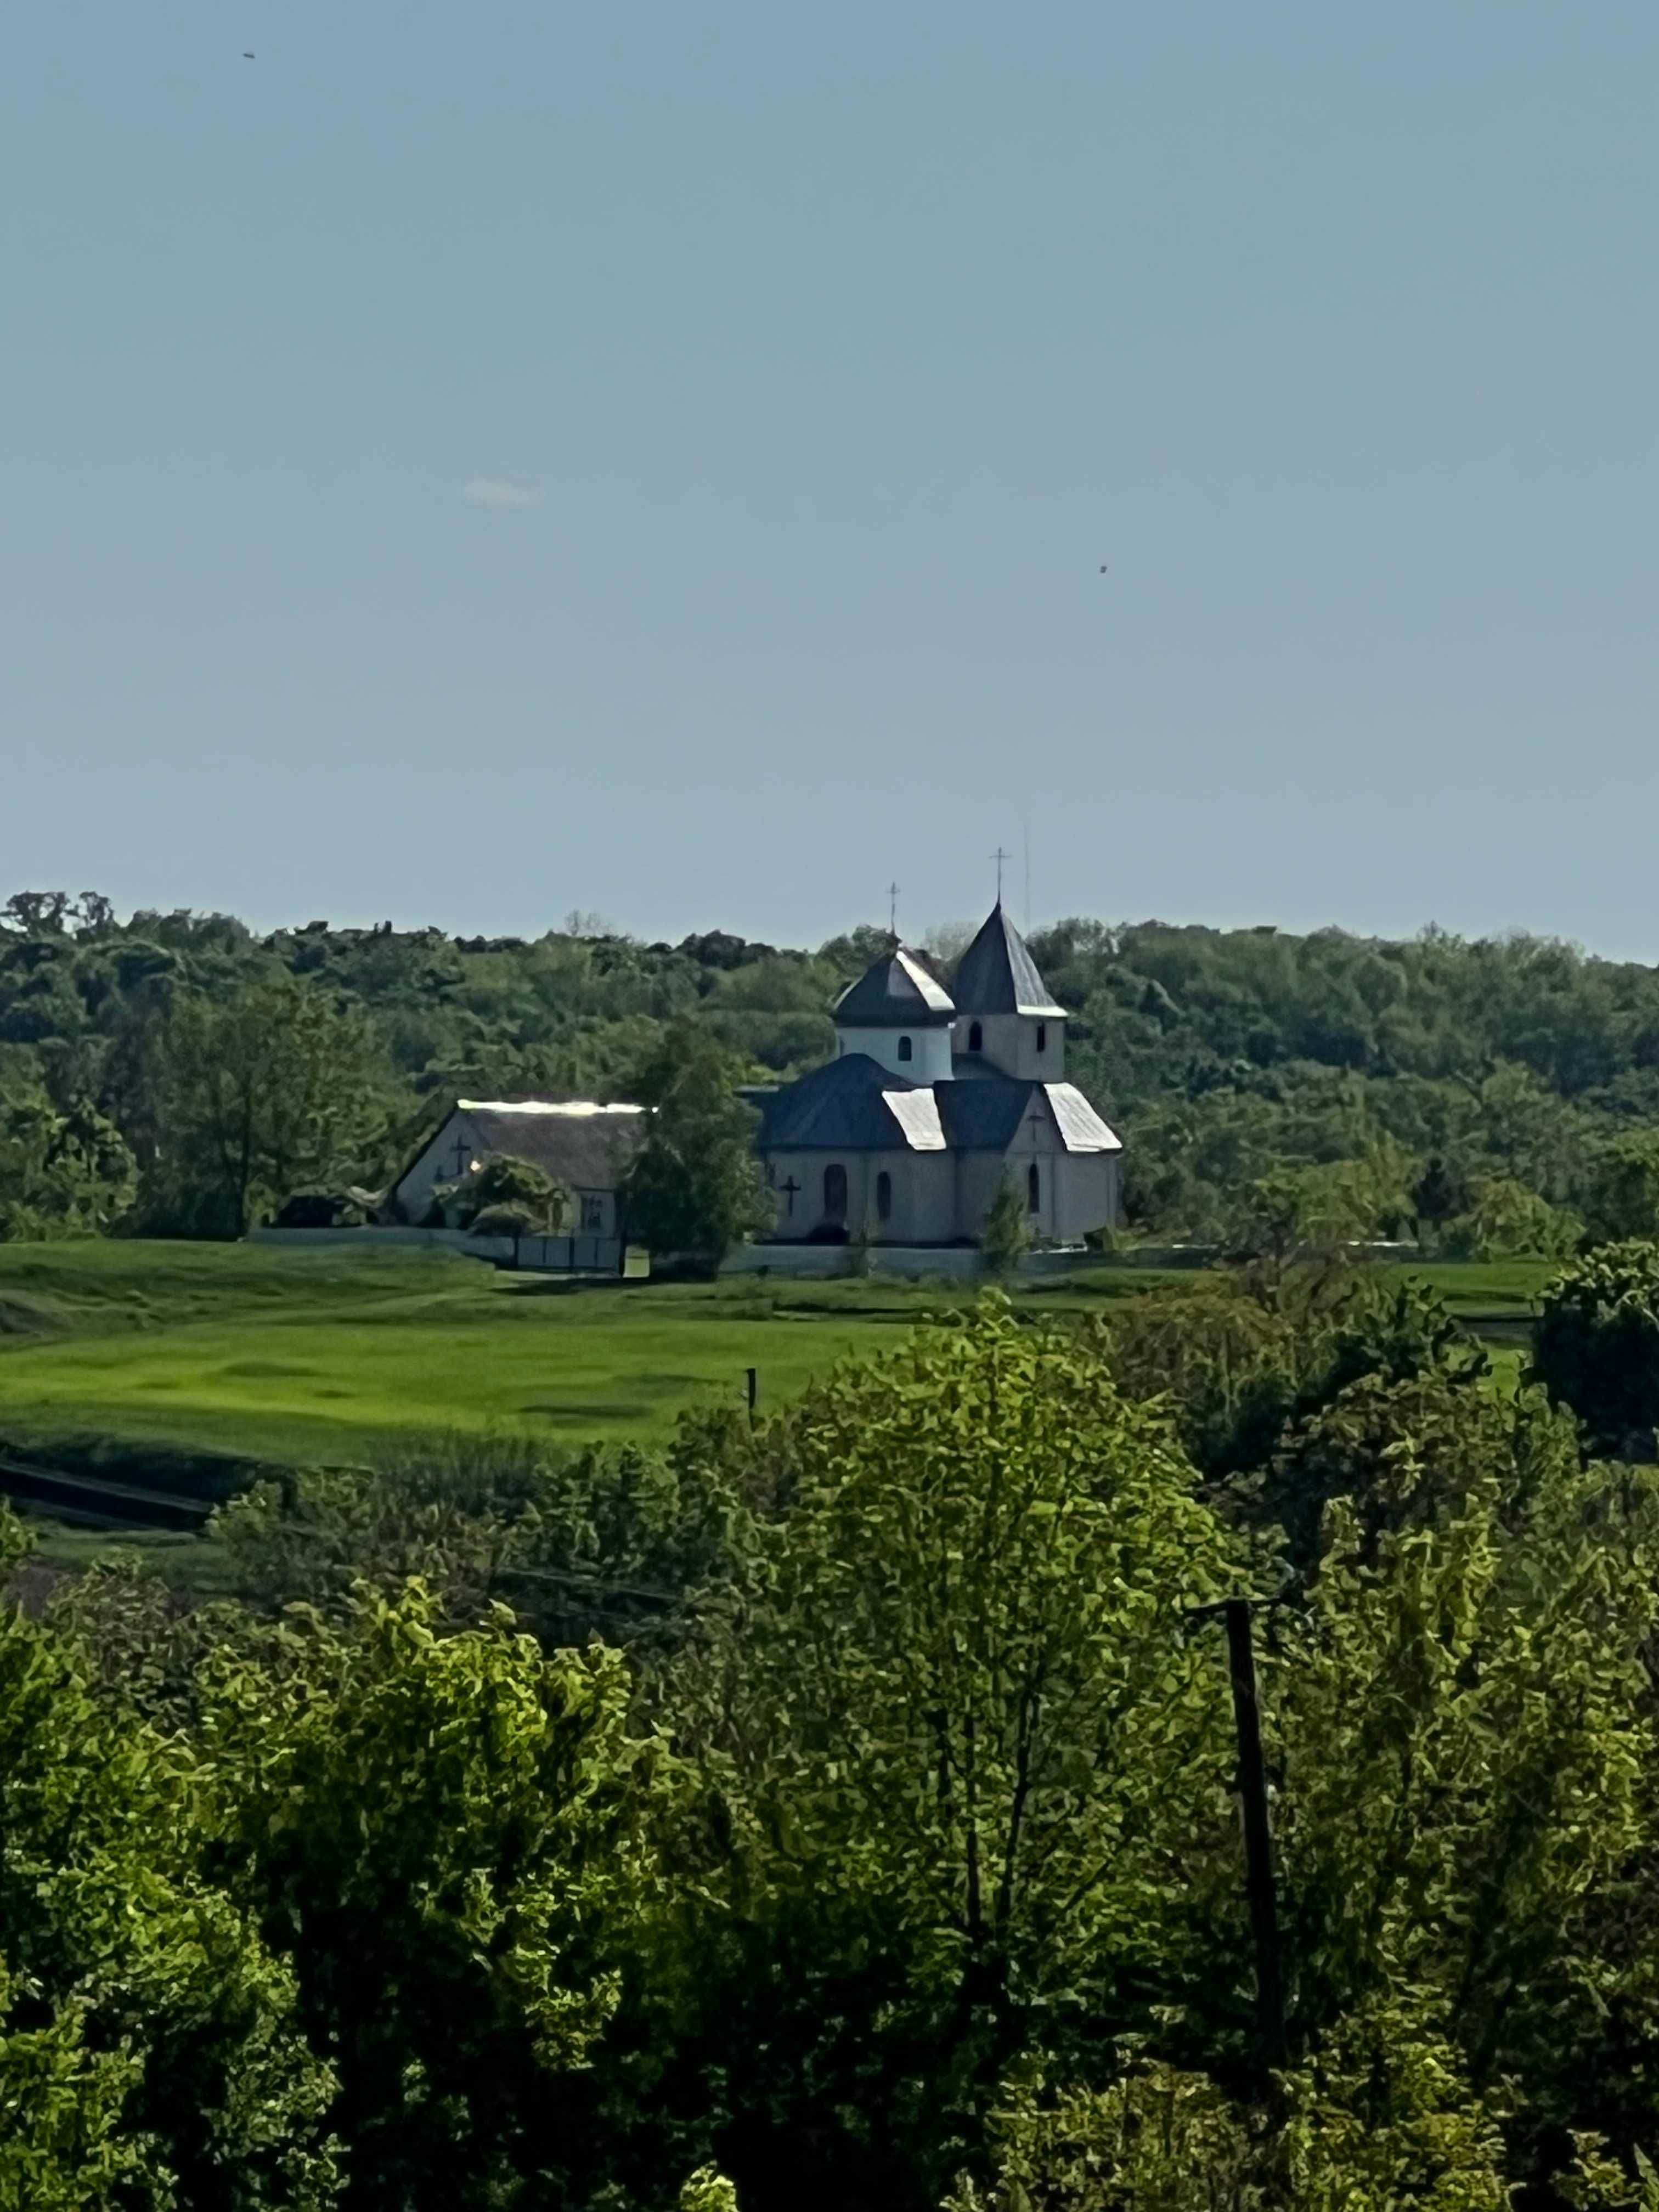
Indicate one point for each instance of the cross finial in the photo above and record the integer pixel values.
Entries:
(892, 910)
(1000, 856)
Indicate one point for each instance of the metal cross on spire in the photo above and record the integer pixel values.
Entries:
(892, 910)
(1000, 856)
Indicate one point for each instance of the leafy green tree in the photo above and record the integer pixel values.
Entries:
(694, 1186)
(1620, 1199)
(149, 2050)
(1596, 1346)
(275, 1089)
(969, 1763)
(1443, 1191)
(66, 1174)
(437, 1833)
(1383, 2116)
(1504, 1219)
(1463, 1721)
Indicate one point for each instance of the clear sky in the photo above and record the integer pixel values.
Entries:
(470, 462)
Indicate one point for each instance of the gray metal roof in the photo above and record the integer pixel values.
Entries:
(897, 993)
(586, 1148)
(997, 975)
(856, 1105)
(853, 1105)
(983, 1116)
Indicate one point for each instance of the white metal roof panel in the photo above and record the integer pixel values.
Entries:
(1081, 1129)
(917, 1113)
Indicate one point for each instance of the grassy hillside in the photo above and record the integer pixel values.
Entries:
(330, 1355)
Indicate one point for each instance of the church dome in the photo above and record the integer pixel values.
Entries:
(897, 993)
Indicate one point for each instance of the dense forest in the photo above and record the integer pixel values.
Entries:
(839, 1811)
(176, 1074)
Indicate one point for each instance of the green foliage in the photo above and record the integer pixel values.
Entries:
(149, 2053)
(1621, 1195)
(1596, 1346)
(1239, 1357)
(583, 1542)
(269, 1091)
(1005, 1234)
(950, 1687)
(1383, 2116)
(436, 1831)
(522, 1196)
(66, 1174)
(1347, 1086)
(1504, 1216)
(694, 1186)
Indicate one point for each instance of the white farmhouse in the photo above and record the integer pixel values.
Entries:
(585, 1146)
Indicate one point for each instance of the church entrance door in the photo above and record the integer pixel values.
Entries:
(835, 1193)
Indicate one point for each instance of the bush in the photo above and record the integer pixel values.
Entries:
(1004, 1235)
(1596, 1348)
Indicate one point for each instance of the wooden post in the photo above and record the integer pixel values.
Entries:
(753, 1376)
(1258, 1836)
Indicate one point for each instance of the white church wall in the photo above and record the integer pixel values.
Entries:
(1085, 1190)
(930, 1051)
(441, 1162)
(1009, 1041)
(923, 1195)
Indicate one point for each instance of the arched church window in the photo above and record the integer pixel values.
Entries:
(904, 1048)
(975, 1036)
(1033, 1190)
(1042, 1036)
(835, 1191)
(884, 1196)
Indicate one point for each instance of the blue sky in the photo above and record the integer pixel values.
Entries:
(470, 463)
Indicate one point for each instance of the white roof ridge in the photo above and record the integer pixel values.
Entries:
(541, 1106)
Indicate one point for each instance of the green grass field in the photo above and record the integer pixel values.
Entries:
(331, 1355)
(336, 1356)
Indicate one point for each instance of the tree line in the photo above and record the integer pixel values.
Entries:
(178, 1075)
(839, 1809)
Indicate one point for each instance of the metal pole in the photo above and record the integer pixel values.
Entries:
(1258, 1835)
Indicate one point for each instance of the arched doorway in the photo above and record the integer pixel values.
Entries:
(1033, 1190)
(835, 1191)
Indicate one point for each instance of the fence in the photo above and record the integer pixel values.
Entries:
(539, 1256)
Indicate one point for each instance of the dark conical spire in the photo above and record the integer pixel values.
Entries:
(997, 976)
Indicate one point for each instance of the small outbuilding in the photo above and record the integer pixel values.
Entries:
(585, 1146)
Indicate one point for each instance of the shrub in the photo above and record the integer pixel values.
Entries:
(1597, 1346)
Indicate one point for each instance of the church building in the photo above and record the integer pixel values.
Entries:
(934, 1101)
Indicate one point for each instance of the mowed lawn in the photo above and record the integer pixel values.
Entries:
(309, 1356)
(334, 1355)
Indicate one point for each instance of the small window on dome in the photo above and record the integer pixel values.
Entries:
(1042, 1036)
(975, 1036)
(904, 1048)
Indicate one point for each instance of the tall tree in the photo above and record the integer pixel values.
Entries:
(437, 1830)
(275, 1088)
(973, 1764)
(150, 2055)
(694, 1186)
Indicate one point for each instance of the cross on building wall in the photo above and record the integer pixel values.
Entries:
(463, 1154)
(790, 1190)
